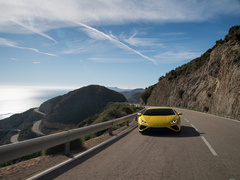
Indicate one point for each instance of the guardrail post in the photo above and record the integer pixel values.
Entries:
(67, 148)
(110, 131)
(127, 122)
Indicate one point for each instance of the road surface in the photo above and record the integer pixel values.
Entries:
(35, 127)
(207, 148)
(14, 138)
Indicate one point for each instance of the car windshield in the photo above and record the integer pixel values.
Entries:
(159, 112)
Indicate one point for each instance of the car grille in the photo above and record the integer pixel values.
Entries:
(142, 127)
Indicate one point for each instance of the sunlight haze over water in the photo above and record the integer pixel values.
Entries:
(19, 99)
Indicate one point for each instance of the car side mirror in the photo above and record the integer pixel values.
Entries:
(180, 113)
(139, 114)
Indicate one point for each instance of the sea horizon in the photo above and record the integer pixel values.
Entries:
(18, 99)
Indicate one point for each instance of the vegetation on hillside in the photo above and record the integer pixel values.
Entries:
(5, 136)
(112, 111)
(188, 68)
(20, 121)
(82, 103)
(146, 94)
(195, 64)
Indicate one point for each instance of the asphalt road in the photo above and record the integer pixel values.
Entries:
(207, 148)
(35, 127)
(14, 138)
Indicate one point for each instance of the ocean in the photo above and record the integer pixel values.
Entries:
(19, 99)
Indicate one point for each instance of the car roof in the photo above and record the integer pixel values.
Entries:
(160, 108)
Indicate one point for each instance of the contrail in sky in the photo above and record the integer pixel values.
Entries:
(34, 30)
(5, 42)
(115, 41)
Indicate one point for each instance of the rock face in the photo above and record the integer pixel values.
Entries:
(67, 111)
(210, 83)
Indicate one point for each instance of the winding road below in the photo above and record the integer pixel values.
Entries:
(35, 128)
(36, 125)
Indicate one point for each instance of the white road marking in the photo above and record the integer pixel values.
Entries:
(206, 142)
(194, 127)
(209, 146)
(186, 120)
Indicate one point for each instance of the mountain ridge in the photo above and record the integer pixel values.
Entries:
(209, 83)
(68, 110)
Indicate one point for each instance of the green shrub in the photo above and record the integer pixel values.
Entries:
(188, 68)
(30, 156)
(205, 108)
(126, 109)
(194, 98)
(54, 150)
(74, 145)
(180, 93)
(147, 93)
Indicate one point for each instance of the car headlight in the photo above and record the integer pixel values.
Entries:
(143, 121)
(173, 121)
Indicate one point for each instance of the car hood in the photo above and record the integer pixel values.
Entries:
(158, 119)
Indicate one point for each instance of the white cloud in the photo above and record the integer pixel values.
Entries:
(45, 15)
(31, 28)
(170, 56)
(134, 41)
(96, 34)
(8, 43)
(5, 42)
(113, 60)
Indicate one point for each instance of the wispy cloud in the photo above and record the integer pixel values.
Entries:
(61, 13)
(7, 43)
(115, 60)
(99, 35)
(171, 56)
(34, 30)
(134, 41)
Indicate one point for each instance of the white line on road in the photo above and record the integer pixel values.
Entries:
(206, 142)
(194, 127)
(186, 120)
(209, 146)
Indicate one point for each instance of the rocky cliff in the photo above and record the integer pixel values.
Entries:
(210, 83)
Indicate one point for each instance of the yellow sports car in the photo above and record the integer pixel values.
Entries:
(159, 117)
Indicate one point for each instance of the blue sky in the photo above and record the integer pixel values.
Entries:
(121, 43)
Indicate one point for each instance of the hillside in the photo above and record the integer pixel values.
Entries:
(210, 83)
(67, 111)
(133, 96)
(62, 112)
(112, 111)
(22, 121)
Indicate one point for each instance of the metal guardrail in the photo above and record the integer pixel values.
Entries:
(19, 149)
